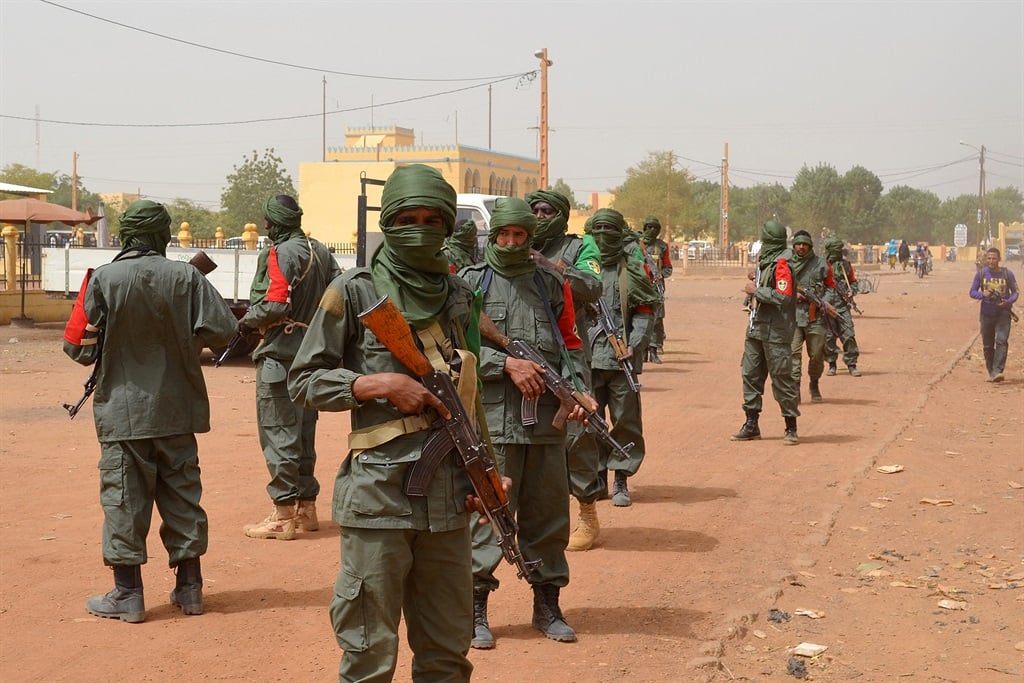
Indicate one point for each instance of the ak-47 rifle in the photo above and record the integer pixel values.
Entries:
(845, 291)
(562, 388)
(457, 432)
(656, 277)
(235, 342)
(90, 382)
(824, 308)
(607, 325)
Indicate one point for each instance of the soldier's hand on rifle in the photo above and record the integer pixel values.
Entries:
(750, 288)
(244, 330)
(526, 375)
(474, 504)
(404, 392)
(750, 274)
(580, 413)
(626, 355)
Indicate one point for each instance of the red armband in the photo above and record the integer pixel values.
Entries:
(279, 290)
(783, 278)
(74, 331)
(567, 323)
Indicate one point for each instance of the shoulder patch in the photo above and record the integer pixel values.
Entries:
(333, 301)
(594, 265)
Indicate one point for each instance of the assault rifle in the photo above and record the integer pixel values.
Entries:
(567, 393)
(607, 325)
(845, 291)
(457, 432)
(90, 382)
(996, 296)
(824, 308)
(656, 277)
(236, 341)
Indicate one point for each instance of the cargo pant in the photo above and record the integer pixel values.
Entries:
(762, 359)
(138, 473)
(287, 436)
(611, 390)
(814, 337)
(851, 352)
(388, 573)
(584, 456)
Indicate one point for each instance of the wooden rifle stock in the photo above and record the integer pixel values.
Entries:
(389, 326)
(604, 321)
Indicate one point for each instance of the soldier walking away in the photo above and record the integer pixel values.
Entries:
(767, 350)
(291, 276)
(842, 298)
(578, 261)
(143, 318)
(661, 265)
(813, 276)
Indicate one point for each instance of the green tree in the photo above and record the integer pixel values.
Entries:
(655, 186)
(910, 213)
(248, 187)
(859, 217)
(815, 199)
(752, 207)
(700, 215)
(962, 209)
(201, 221)
(19, 174)
(562, 187)
(1005, 205)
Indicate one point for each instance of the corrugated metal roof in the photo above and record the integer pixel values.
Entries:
(22, 189)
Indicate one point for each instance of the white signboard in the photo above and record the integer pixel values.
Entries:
(960, 235)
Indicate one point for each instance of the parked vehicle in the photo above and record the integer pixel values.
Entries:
(239, 243)
(698, 249)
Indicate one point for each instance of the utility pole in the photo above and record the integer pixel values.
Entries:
(724, 221)
(982, 202)
(542, 54)
(74, 181)
(325, 121)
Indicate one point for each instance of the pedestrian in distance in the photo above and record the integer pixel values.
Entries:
(143, 320)
(292, 273)
(996, 289)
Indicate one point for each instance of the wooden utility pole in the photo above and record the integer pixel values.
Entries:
(542, 54)
(324, 138)
(724, 221)
(983, 217)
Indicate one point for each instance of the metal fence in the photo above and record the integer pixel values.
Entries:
(28, 271)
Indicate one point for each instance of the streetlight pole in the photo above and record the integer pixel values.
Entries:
(542, 55)
(983, 216)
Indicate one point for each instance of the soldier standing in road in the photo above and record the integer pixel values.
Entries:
(841, 297)
(657, 249)
(145, 318)
(529, 304)
(768, 346)
(291, 276)
(631, 300)
(460, 247)
(578, 260)
(813, 274)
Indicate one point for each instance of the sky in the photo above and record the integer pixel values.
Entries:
(894, 86)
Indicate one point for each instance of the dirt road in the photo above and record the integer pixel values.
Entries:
(680, 586)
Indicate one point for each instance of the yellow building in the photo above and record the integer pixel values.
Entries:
(116, 202)
(329, 190)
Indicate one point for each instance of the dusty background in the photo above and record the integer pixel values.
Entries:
(680, 586)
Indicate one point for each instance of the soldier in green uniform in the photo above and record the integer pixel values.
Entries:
(291, 276)
(399, 554)
(145, 319)
(768, 349)
(657, 249)
(846, 280)
(529, 304)
(812, 274)
(460, 247)
(578, 260)
(631, 300)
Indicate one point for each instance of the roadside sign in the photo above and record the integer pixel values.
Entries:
(960, 235)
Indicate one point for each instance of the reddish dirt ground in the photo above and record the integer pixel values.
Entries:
(680, 586)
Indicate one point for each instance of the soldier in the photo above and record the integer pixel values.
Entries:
(460, 248)
(291, 276)
(657, 250)
(400, 554)
(841, 297)
(144, 317)
(578, 260)
(813, 276)
(631, 300)
(768, 346)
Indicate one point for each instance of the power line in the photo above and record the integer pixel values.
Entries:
(265, 60)
(274, 119)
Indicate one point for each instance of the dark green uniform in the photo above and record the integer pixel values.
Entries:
(814, 275)
(843, 272)
(291, 276)
(657, 249)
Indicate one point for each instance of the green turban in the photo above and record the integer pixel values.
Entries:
(283, 220)
(803, 237)
(773, 243)
(652, 228)
(798, 262)
(461, 245)
(146, 224)
(417, 185)
(410, 266)
(834, 249)
(511, 260)
(549, 228)
(609, 232)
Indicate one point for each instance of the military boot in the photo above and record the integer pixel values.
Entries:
(587, 528)
(831, 372)
(547, 615)
(483, 639)
(854, 372)
(188, 587)
(790, 439)
(749, 431)
(652, 355)
(280, 524)
(815, 392)
(305, 516)
(620, 491)
(125, 602)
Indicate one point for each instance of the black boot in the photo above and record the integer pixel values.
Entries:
(790, 439)
(815, 392)
(547, 616)
(620, 492)
(652, 354)
(125, 602)
(602, 476)
(483, 639)
(188, 587)
(749, 431)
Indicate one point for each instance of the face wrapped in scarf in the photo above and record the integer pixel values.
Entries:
(834, 249)
(609, 232)
(548, 228)
(146, 224)
(652, 228)
(510, 260)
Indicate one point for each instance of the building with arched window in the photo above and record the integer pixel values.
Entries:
(328, 190)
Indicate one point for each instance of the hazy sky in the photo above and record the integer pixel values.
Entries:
(892, 86)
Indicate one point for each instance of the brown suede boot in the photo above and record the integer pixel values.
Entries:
(587, 529)
(305, 516)
(280, 524)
